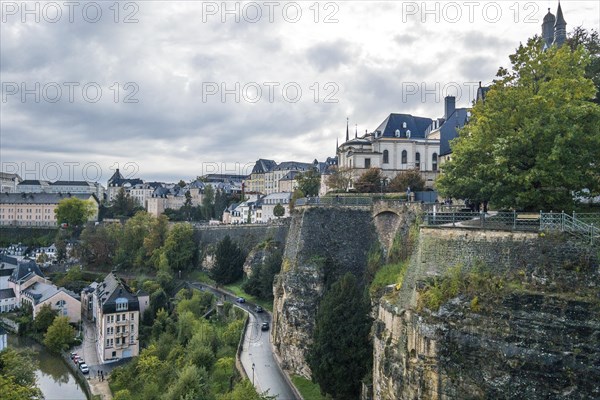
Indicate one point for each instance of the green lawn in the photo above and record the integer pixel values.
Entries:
(308, 389)
(201, 276)
(236, 288)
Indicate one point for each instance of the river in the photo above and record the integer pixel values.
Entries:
(53, 377)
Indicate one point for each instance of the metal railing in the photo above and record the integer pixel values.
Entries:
(335, 201)
(532, 222)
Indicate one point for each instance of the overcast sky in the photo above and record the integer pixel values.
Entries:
(169, 90)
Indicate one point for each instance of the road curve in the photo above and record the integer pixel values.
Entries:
(257, 353)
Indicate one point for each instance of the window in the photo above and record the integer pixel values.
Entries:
(367, 163)
(386, 157)
(434, 162)
(118, 317)
(404, 157)
(418, 160)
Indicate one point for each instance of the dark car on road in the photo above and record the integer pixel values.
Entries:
(264, 326)
(258, 309)
(240, 300)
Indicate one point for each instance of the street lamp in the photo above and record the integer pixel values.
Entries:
(253, 373)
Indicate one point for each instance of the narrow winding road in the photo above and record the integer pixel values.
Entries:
(257, 353)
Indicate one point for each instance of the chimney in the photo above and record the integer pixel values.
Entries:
(449, 106)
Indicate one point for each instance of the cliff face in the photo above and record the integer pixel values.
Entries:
(322, 245)
(538, 337)
(527, 346)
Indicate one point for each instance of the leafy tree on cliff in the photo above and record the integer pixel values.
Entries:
(408, 179)
(341, 351)
(73, 211)
(339, 179)
(590, 40)
(369, 181)
(309, 182)
(123, 205)
(278, 210)
(180, 247)
(535, 141)
(229, 262)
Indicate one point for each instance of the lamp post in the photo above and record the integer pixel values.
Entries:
(253, 374)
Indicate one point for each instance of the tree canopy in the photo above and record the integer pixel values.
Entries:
(309, 182)
(341, 351)
(17, 375)
(407, 179)
(229, 261)
(371, 181)
(74, 211)
(60, 335)
(534, 142)
(339, 179)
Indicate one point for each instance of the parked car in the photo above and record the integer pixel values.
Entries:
(240, 300)
(73, 355)
(80, 362)
(265, 326)
(84, 369)
(76, 359)
(258, 309)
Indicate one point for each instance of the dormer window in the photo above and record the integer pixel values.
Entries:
(404, 125)
(121, 304)
(397, 132)
(408, 133)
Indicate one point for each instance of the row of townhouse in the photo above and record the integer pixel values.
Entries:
(38, 209)
(257, 209)
(22, 283)
(72, 187)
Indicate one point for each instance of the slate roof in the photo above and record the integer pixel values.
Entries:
(417, 126)
(448, 130)
(8, 259)
(33, 182)
(481, 93)
(263, 166)
(24, 270)
(112, 288)
(40, 198)
(293, 165)
(6, 175)
(7, 293)
(290, 176)
(71, 183)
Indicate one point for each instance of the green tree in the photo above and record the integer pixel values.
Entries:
(181, 183)
(17, 375)
(339, 179)
(60, 335)
(408, 179)
(191, 384)
(298, 194)
(535, 141)
(74, 211)
(278, 210)
(98, 244)
(369, 181)
(44, 318)
(180, 247)
(229, 262)
(123, 205)
(341, 352)
(155, 239)
(590, 40)
(208, 202)
(309, 182)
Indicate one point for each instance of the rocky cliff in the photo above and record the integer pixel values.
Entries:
(534, 335)
(322, 244)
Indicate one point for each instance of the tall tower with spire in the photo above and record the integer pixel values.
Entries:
(347, 129)
(560, 28)
(548, 29)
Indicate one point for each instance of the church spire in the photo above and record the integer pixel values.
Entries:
(355, 131)
(560, 28)
(337, 145)
(347, 131)
(548, 29)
